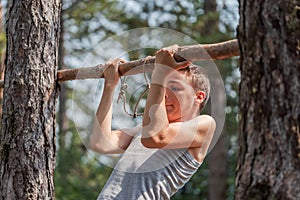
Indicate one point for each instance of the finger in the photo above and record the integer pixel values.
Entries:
(120, 61)
(160, 51)
(172, 48)
(166, 51)
(182, 65)
(115, 62)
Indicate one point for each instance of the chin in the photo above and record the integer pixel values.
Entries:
(170, 118)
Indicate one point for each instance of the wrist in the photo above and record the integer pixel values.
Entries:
(110, 85)
(158, 77)
(163, 69)
(160, 73)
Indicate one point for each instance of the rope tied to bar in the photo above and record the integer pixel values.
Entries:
(124, 87)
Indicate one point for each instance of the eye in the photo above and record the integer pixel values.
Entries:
(175, 89)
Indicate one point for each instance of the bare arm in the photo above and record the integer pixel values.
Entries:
(157, 131)
(103, 139)
(194, 133)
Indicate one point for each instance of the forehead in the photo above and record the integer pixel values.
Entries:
(178, 77)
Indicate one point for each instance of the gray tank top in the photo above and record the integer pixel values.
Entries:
(149, 174)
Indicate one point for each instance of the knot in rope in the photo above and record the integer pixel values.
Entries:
(122, 93)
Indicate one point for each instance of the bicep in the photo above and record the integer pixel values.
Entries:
(116, 142)
(195, 133)
(191, 134)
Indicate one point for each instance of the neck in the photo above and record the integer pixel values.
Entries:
(184, 118)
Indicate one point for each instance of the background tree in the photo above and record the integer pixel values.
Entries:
(27, 140)
(217, 159)
(269, 162)
(77, 176)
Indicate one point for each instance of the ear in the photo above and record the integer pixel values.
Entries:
(200, 97)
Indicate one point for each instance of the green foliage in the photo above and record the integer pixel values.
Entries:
(77, 176)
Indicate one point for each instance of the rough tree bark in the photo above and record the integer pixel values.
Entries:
(27, 140)
(269, 156)
(2, 57)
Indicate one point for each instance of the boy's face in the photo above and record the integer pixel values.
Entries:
(181, 100)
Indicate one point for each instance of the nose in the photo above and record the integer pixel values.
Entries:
(167, 93)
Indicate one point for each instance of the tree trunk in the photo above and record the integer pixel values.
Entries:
(2, 56)
(63, 125)
(217, 159)
(269, 156)
(63, 120)
(212, 22)
(27, 140)
(217, 163)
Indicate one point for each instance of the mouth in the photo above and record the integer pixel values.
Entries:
(169, 106)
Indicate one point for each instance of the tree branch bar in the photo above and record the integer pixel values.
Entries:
(216, 51)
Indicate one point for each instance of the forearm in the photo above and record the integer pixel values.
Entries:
(104, 111)
(155, 117)
(101, 135)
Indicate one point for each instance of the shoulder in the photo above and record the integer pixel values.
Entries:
(206, 125)
(206, 120)
(201, 122)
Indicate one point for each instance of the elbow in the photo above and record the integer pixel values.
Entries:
(154, 137)
(97, 147)
(147, 142)
(157, 141)
(102, 146)
(209, 130)
(212, 125)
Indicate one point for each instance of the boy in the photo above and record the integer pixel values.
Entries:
(162, 154)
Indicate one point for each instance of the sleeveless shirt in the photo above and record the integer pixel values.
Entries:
(149, 174)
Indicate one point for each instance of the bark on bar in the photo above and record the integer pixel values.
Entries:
(216, 51)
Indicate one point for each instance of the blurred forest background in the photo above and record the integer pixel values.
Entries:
(85, 23)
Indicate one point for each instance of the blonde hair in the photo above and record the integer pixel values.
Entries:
(199, 81)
